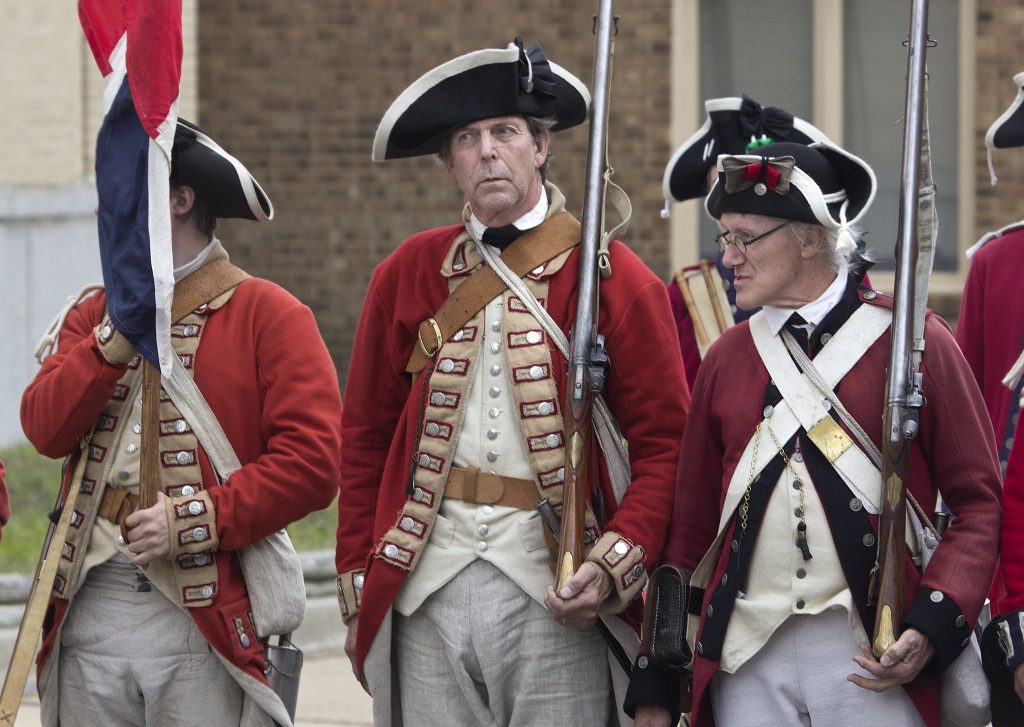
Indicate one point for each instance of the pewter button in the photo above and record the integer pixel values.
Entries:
(495, 370)
(188, 491)
(483, 530)
(190, 330)
(195, 507)
(545, 408)
(123, 475)
(870, 295)
(638, 570)
(391, 550)
(936, 596)
(711, 610)
(437, 398)
(495, 347)
(700, 648)
(735, 546)
(200, 559)
(621, 547)
(826, 405)
(407, 523)
(137, 428)
(446, 365)
(495, 326)
(457, 266)
(768, 410)
(106, 332)
(244, 639)
(725, 578)
(481, 547)
(825, 338)
(533, 337)
(183, 458)
(960, 621)
(801, 573)
(561, 473)
(198, 534)
(856, 505)
(494, 412)
(424, 460)
(760, 189)
(800, 603)
(494, 392)
(433, 429)
(459, 335)
(537, 270)
(536, 372)
(553, 440)
(868, 540)
(492, 456)
(132, 448)
(796, 511)
(641, 663)
(418, 494)
(492, 434)
(357, 581)
(798, 457)
(180, 426)
(206, 591)
(487, 509)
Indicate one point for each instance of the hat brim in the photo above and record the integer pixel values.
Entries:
(217, 177)
(478, 85)
(687, 170)
(1007, 132)
(852, 184)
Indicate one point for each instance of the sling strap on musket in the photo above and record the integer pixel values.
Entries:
(533, 248)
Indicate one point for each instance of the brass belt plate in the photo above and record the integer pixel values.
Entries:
(830, 438)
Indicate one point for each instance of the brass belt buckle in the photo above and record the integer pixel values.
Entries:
(437, 335)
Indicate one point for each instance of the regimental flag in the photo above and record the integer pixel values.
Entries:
(138, 47)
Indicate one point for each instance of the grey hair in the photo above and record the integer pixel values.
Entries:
(538, 127)
(806, 232)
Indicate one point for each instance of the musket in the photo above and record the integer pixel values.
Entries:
(587, 359)
(904, 381)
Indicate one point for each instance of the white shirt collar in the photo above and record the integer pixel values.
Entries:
(531, 219)
(813, 312)
(197, 262)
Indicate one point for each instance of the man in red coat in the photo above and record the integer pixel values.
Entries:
(451, 439)
(150, 620)
(776, 507)
(990, 332)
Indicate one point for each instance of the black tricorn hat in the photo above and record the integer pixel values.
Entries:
(733, 126)
(218, 178)
(479, 85)
(1007, 131)
(820, 184)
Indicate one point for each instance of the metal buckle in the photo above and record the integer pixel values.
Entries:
(437, 334)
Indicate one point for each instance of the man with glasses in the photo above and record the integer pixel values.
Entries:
(776, 506)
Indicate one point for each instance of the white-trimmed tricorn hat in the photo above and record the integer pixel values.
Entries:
(734, 125)
(479, 85)
(218, 178)
(1007, 131)
(820, 184)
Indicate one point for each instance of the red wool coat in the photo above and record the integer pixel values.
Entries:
(267, 376)
(646, 390)
(952, 454)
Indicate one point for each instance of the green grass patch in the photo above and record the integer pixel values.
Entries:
(33, 481)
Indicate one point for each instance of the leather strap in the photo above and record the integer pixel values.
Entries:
(117, 504)
(551, 238)
(484, 488)
(205, 284)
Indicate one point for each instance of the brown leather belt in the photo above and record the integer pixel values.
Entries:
(117, 504)
(484, 488)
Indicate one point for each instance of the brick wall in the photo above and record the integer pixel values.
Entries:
(1000, 55)
(296, 91)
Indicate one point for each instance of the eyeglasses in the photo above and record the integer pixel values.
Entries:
(742, 242)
